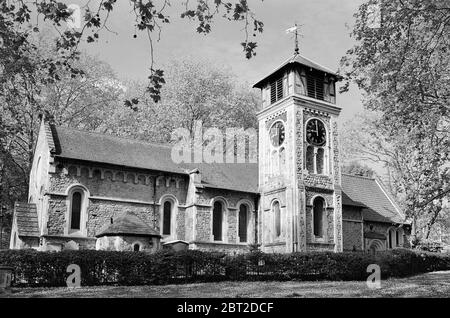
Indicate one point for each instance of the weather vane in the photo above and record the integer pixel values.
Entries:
(294, 30)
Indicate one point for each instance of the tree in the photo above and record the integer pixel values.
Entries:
(149, 18)
(402, 65)
(75, 100)
(196, 90)
(358, 169)
(415, 171)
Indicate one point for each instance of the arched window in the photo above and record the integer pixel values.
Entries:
(77, 204)
(277, 218)
(136, 247)
(75, 213)
(318, 212)
(167, 218)
(391, 238)
(319, 161)
(217, 221)
(243, 222)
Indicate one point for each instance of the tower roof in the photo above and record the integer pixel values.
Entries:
(301, 60)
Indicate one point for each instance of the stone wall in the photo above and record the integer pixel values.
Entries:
(352, 235)
(220, 247)
(231, 203)
(352, 229)
(126, 243)
(118, 183)
(111, 191)
(328, 218)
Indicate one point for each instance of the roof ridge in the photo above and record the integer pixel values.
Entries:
(116, 137)
(358, 176)
(324, 67)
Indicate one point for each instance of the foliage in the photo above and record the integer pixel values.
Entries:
(403, 67)
(34, 268)
(428, 245)
(81, 100)
(19, 19)
(195, 90)
(358, 169)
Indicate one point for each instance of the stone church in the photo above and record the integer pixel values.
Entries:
(96, 191)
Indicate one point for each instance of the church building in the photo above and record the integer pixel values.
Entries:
(97, 191)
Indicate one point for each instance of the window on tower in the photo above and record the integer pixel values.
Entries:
(316, 151)
(318, 213)
(277, 218)
(315, 84)
(276, 90)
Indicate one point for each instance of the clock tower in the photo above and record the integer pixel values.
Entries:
(299, 165)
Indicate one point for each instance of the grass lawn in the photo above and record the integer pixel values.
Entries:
(436, 284)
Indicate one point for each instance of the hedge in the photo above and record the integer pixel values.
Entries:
(34, 268)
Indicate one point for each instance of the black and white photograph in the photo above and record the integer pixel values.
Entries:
(224, 155)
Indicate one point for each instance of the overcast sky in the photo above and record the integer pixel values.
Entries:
(325, 40)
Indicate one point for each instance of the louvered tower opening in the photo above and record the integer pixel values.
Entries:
(315, 84)
(276, 90)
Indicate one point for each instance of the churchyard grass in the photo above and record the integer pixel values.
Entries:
(434, 284)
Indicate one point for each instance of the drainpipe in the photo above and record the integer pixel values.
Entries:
(256, 218)
(294, 231)
(154, 201)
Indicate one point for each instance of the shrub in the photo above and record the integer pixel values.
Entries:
(429, 246)
(34, 268)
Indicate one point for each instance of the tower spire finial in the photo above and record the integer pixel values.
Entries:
(294, 30)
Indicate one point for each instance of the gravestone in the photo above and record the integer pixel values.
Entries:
(5, 279)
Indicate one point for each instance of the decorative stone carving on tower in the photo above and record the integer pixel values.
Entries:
(299, 168)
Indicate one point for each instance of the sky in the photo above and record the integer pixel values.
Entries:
(326, 25)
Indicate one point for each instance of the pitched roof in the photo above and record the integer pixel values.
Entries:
(370, 194)
(26, 218)
(103, 148)
(96, 147)
(366, 193)
(128, 224)
(298, 59)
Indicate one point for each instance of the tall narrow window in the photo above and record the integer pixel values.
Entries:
(75, 217)
(390, 238)
(277, 217)
(310, 159)
(243, 223)
(318, 206)
(282, 161)
(217, 221)
(319, 161)
(315, 84)
(167, 217)
(276, 90)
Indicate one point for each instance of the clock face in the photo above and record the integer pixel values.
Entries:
(277, 134)
(315, 132)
